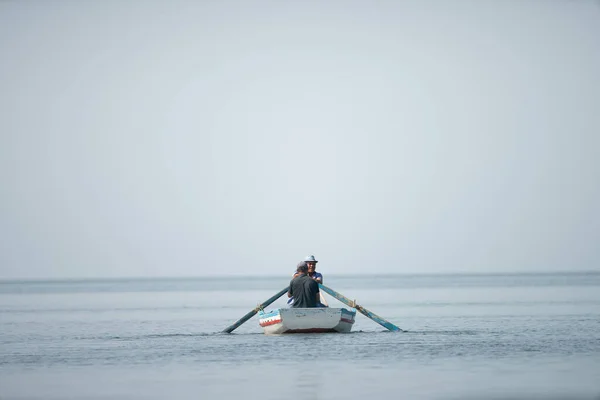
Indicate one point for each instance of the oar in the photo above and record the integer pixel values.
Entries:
(257, 309)
(361, 309)
(323, 301)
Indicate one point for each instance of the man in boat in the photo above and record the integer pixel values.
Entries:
(297, 273)
(311, 263)
(304, 289)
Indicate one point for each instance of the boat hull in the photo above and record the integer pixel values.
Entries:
(307, 320)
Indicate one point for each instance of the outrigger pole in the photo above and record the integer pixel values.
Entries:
(361, 309)
(257, 309)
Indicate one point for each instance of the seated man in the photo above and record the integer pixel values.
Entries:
(311, 263)
(304, 290)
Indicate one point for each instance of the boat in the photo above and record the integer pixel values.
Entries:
(306, 320)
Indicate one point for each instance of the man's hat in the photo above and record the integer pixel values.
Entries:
(310, 259)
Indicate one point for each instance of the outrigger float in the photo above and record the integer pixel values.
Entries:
(310, 320)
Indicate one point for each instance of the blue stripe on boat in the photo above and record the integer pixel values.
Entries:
(349, 313)
(269, 314)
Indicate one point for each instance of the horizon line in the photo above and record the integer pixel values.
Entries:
(236, 275)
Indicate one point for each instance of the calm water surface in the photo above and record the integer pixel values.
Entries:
(521, 336)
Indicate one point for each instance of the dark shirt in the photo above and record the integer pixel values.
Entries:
(305, 291)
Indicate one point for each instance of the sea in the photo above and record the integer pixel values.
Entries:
(466, 336)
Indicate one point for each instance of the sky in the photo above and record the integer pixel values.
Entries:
(182, 138)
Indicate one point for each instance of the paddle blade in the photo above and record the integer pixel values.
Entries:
(386, 324)
(252, 313)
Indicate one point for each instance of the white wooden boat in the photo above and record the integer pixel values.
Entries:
(306, 320)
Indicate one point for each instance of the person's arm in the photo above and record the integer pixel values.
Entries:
(319, 278)
(289, 293)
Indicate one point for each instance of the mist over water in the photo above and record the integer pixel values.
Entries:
(510, 336)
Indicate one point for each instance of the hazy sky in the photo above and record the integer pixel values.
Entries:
(144, 138)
